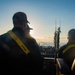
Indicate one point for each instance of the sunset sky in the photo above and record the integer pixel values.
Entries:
(42, 15)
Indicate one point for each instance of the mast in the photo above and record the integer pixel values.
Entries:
(57, 36)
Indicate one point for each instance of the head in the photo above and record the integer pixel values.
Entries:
(71, 35)
(20, 20)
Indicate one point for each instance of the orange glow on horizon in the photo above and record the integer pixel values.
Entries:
(44, 39)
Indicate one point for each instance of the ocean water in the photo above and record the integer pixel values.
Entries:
(50, 44)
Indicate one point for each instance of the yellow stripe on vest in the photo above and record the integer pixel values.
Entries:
(19, 42)
(73, 45)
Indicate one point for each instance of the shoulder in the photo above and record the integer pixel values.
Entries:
(5, 39)
(63, 47)
(3, 36)
(60, 52)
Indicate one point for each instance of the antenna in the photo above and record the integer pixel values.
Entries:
(60, 23)
(55, 24)
(57, 35)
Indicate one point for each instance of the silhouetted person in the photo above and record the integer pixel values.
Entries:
(67, 51)
(14, 58)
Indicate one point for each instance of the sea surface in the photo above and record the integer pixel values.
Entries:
(50, 44)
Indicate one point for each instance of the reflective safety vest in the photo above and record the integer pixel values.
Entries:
(67, 48)
(19, 42)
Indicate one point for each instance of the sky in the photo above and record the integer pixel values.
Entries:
(43, 16)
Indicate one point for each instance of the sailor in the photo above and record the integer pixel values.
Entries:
(67, 51)
(19, 54)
